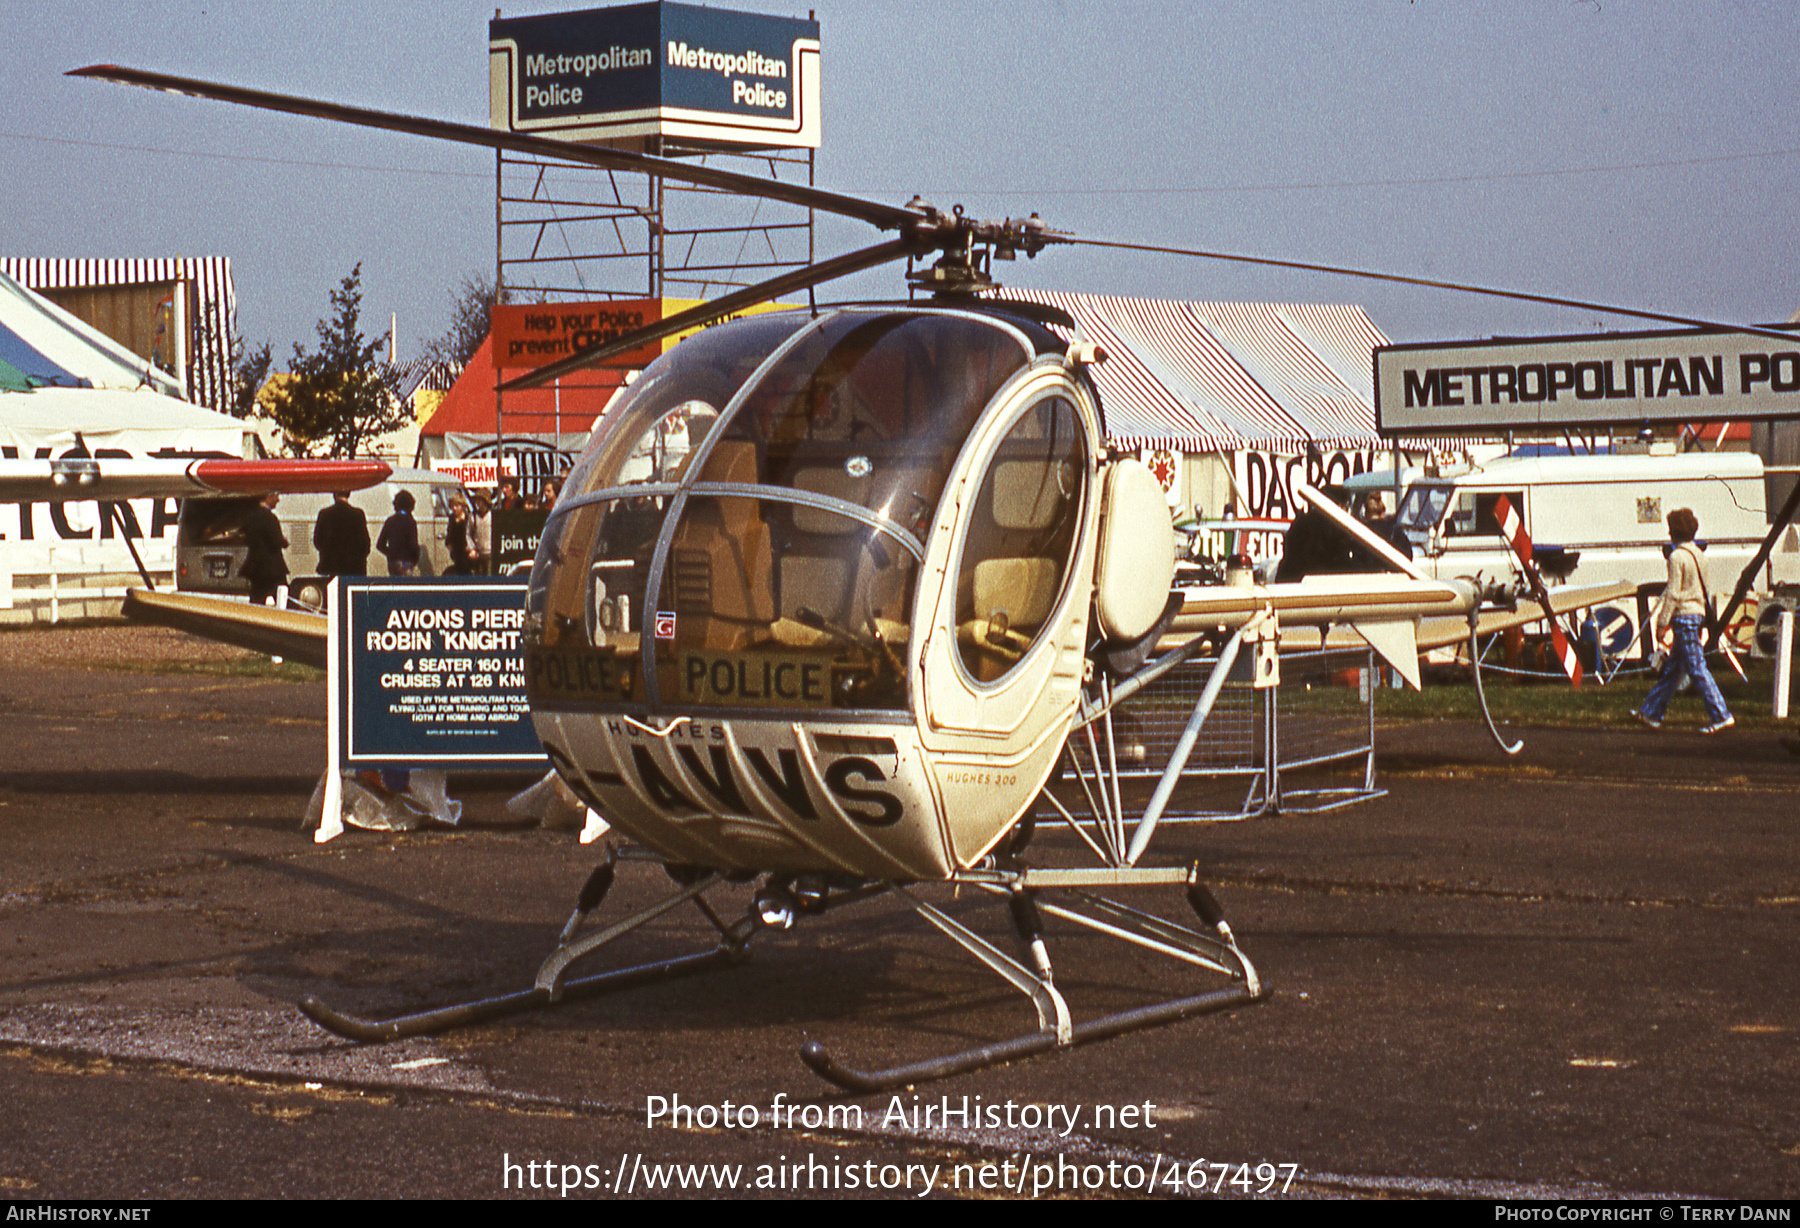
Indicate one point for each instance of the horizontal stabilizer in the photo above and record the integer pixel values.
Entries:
(1442, 632)
(279, 633)
(1394, 642)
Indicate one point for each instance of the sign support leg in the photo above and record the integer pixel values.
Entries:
(331, 819)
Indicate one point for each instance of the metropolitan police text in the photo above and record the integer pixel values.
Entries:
(1611, 379)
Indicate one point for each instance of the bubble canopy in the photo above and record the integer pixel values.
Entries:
(746, 526)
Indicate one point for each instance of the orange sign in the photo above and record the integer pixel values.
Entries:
(528, 336)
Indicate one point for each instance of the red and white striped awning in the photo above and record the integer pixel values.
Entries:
(1203, 377)
(209, 377)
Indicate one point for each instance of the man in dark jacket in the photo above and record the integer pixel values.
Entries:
(399, 540)
(341, 536)
(264, 564)
(1315, 545)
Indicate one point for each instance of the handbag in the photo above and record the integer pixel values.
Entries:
(1713, 630)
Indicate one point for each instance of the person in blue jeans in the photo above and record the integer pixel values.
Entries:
(1683, 610)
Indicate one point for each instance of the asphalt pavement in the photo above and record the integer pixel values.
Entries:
(1568, 974)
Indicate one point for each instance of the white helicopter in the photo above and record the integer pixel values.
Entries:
(832, 596)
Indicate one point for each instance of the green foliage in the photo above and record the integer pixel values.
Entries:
(249, 371)
(339, 397)
(471, 316)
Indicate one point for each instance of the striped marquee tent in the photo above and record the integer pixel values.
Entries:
(43, 346)
(1222, 377)
(212, 307)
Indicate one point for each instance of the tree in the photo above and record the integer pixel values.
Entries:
(471, 316)
(249, 371)
(343, 395)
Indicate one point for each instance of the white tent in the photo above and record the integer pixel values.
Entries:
(49, 346)
(70, 390)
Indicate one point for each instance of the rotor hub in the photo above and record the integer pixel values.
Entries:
(969, 246)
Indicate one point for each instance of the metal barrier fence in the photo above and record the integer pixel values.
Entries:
(1323, 712)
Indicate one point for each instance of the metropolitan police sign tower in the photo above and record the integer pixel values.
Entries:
(621, 76)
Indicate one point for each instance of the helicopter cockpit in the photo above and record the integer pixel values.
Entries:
(774, 481)
(746, 536)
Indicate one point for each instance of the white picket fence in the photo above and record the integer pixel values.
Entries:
(67, 582)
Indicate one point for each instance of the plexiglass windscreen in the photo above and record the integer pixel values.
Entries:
(782, 533)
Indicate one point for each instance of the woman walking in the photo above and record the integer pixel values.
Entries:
(1684, 609)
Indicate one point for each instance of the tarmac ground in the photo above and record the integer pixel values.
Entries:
(1565, 975)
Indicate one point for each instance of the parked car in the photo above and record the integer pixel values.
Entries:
(209, 541)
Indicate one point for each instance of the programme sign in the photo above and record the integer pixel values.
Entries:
(430, 673)
(482, 471)
(1549, 383)
(645, 70)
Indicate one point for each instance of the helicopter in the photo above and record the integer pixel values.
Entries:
(841, 603)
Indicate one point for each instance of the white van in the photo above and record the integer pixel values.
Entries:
(1595, 519)
(210, 549)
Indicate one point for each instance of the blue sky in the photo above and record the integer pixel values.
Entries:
(1617, 150)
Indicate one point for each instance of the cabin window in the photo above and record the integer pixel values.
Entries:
(647, 436)
(1475, 514)
(1021, 535)
(870, 408)
(772, 604)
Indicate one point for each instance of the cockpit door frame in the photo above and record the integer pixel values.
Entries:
(955, 710)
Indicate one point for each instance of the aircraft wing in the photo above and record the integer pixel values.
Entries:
(80, 478)
(282, 633)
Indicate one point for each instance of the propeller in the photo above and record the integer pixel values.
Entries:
(1433, 283)
(887, 217)
(967, 243)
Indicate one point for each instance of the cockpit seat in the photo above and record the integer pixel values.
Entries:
(719, 560)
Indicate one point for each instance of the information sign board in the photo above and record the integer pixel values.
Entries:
(620, 75)
(429, 672)
(1549, 384)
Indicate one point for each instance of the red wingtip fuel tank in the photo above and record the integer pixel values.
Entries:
(80, 478)
(288, 476)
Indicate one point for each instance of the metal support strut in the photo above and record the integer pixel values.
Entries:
(551, 987)
(1216, 952)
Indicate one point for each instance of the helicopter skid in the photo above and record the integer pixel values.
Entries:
(1055, 1029)
(1026, 890)
(551, 988)
(828, 1068)
(443, 1019)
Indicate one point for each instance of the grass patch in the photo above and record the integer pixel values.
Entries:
(251, 668)
(1556, 703)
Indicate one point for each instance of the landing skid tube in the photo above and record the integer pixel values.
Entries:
(1026, 891)
(427, 1023)
(552, 988)
(828, 1068)
(1022, 889)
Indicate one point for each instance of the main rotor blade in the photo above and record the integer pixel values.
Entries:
(737, 300)
(1404, 280)
(887, 217)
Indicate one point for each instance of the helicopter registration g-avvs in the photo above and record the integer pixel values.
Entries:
(832, 595)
